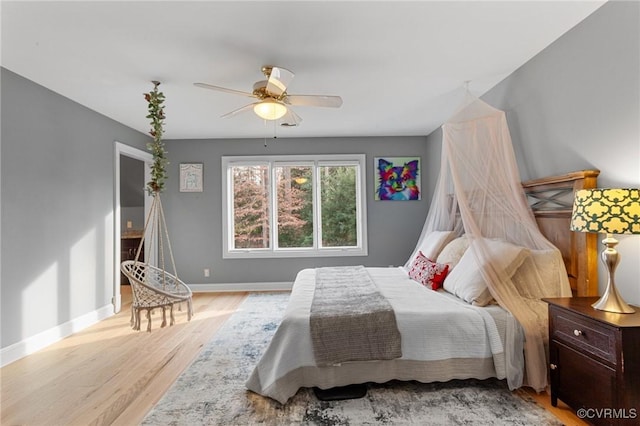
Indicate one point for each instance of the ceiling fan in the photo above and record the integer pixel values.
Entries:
(273, 100)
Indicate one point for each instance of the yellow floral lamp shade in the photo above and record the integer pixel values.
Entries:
(611, 211)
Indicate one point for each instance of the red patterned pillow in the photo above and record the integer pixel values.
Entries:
(427, 272)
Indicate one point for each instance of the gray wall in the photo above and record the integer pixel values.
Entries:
(131, 182)
(195, 219)
(575, 106)
(132, 187)
(57, 208)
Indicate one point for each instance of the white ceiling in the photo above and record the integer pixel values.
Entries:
(400, 67)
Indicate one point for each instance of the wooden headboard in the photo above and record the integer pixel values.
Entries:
(551, 200)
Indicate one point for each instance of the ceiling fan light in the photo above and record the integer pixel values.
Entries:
(270, 109)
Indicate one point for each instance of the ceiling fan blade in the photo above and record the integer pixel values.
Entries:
(314, 100)
(239, 110)
(290, 119)
(224, 89)
(278, 80)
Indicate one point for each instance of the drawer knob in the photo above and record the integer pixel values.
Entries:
(553, 366)
(577, 332)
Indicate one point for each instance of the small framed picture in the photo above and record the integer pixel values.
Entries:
(191, 177)
(397, 178)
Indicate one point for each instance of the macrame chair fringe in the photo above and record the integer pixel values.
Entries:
(153, 287)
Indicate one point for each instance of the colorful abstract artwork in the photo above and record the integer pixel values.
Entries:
(397, 178)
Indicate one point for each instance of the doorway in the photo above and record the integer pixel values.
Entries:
(131, 206)
(132, 187)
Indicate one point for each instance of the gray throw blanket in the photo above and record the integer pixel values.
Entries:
(350, 319)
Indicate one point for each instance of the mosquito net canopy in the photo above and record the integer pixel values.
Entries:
(479, 194)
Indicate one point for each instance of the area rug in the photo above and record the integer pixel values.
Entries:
(211, 391)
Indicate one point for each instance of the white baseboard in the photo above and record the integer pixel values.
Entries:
(43, 339)
(226, 287)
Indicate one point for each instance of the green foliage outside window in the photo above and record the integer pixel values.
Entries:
(338, 192)
(251, 206)
(294, 206)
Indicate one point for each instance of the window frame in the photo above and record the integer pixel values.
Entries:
(316, 162)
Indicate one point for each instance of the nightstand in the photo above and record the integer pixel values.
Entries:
(595, 360)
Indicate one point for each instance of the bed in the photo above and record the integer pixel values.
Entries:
(443, 337)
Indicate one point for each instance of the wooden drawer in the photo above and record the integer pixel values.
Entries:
(129, 248)
(130, 243)
(584, 333)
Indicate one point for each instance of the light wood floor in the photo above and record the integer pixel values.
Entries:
(110, 374)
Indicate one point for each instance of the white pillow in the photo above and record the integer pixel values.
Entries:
(466, 281)
(452, 252)
(433, 243)
(538, 275)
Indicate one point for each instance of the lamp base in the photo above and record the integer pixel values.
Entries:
(611, 301)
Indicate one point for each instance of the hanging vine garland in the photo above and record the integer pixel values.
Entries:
(155, 99)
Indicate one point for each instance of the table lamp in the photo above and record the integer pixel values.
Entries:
(610, 211)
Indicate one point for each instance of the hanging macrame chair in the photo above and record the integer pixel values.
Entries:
(153, 287)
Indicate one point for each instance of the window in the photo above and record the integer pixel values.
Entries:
(294, 206)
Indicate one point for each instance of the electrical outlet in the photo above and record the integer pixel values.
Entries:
(129, 224)
(207, 272)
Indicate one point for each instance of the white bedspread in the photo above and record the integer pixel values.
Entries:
(435, 327)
